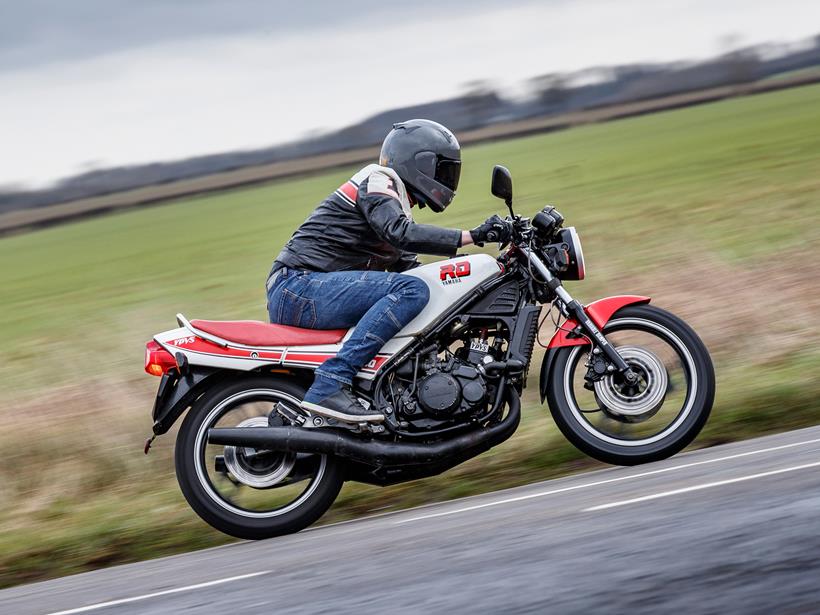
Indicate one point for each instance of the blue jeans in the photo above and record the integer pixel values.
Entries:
(379, 304)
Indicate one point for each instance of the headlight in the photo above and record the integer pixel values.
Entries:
(568, 240)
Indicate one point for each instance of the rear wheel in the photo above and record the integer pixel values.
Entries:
(627, 424)
(245, 492)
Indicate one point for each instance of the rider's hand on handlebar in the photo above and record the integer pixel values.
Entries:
(493, 229)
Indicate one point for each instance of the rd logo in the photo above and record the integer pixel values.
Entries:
(451, 273)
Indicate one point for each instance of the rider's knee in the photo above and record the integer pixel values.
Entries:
(415, 291)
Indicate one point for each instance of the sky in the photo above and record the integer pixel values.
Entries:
(95, 83)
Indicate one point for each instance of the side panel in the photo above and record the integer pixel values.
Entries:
(207, 354)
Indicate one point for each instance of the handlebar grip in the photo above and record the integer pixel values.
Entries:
(493, 236)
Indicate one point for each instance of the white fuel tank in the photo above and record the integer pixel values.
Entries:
(448, 282)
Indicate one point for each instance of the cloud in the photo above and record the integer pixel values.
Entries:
(35, 32)
(183, 96)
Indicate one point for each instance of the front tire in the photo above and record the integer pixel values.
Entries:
(213, 499)
(632, 440)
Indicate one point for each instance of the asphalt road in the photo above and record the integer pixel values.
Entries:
(730, 529)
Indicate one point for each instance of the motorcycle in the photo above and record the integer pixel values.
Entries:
(626, 382)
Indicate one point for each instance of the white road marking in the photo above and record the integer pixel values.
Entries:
(601, 482)
(717, 483)
(102, 605)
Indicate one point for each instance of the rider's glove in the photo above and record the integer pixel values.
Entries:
(493, 229)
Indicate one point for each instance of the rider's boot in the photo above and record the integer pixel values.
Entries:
(343, 406)
(331, 399)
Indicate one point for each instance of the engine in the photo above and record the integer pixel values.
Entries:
(436, 388)
(450, 389)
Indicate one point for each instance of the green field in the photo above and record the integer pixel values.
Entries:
(712, 210)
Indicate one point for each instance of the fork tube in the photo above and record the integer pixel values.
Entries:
(576, 310)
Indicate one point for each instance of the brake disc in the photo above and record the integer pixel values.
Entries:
(633, 403)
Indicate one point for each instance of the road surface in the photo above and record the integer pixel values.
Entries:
(730, 529)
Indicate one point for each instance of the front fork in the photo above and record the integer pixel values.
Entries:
(573, 309)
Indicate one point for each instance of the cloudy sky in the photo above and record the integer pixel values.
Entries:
(92, 83)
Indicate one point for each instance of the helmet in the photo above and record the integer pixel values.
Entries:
(427, 158)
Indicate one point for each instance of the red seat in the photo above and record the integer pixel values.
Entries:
(256, 333)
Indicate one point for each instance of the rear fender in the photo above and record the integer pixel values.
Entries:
(600, 312)
(177, 392)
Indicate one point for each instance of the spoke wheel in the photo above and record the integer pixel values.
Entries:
(243, 491)
(653, 418)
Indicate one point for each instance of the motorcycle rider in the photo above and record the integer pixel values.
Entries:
(342, 265)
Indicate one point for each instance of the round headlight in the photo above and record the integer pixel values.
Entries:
(576, 269)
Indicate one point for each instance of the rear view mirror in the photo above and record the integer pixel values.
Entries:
(502, 184)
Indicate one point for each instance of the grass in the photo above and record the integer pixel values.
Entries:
(713, 210)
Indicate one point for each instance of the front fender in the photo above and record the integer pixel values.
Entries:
(599, 312)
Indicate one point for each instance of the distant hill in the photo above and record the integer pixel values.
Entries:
(480, 106)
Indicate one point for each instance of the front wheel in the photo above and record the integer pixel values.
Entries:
(627, 424)
(242, 491)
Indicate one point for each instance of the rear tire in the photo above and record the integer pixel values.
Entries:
(569, 418)
(219, 512)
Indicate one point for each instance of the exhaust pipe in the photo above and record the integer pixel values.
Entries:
(372, 452)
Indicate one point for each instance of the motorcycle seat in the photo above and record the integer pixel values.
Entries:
(256, 333)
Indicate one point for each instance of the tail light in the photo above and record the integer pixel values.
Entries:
(157, 360)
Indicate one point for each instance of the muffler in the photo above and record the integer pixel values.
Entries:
(372, 452)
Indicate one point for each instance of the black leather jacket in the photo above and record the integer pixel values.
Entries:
(365, 225)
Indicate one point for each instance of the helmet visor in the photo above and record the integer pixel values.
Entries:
(447, 172)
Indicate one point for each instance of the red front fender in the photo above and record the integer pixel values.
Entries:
(599, 312)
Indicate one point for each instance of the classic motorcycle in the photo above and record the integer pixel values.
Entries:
(626, 382)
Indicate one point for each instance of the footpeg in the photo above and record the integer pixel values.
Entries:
(370, 428)
(290, 416)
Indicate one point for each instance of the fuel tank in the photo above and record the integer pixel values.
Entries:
(449, 281)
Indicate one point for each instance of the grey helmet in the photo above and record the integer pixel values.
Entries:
(427, 158)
